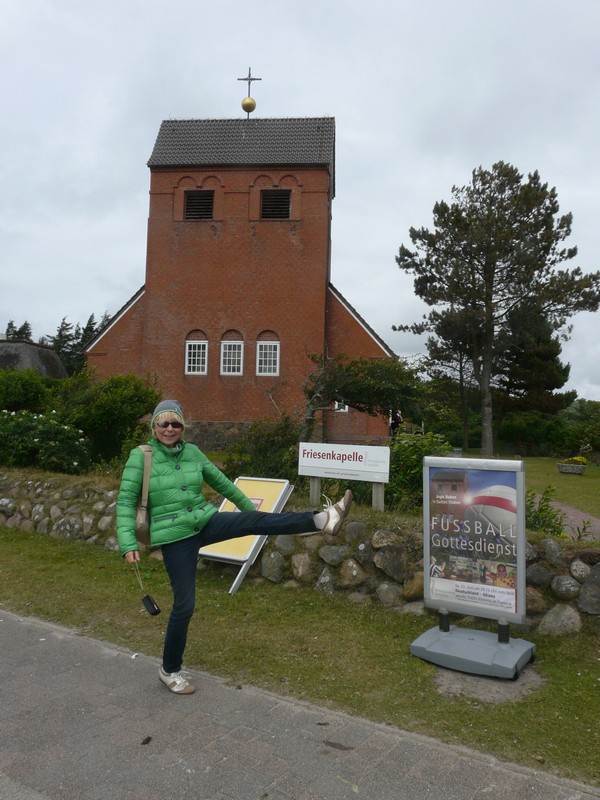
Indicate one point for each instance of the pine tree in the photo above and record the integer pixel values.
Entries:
(498, 245)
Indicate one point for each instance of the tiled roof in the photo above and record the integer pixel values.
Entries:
(223, 142)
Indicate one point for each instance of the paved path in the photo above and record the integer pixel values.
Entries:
(577, 522)
(85, 720)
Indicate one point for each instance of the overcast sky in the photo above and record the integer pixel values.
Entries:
(422, 92)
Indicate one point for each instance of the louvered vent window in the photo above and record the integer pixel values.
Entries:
(275, 203)
(199, 205)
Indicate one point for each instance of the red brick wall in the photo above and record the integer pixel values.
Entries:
(346, 334)
(236, 273)
(233, 272)
(119, 351)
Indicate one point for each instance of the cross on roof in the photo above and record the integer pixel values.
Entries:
(249, 78)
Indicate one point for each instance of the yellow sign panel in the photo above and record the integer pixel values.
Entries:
(267, 495)
(231, 550)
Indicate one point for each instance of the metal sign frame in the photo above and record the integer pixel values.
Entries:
(474, 537)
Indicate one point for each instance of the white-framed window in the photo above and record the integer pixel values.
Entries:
(196, 357)
(267, 358)
(340, 407)
(232, 357)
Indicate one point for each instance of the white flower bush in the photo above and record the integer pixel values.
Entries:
(31, 440)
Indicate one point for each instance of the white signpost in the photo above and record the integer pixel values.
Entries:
(351, 462)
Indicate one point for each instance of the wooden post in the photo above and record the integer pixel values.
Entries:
(315, 491)
(378, 496)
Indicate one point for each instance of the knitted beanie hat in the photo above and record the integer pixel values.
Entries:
(171, 406)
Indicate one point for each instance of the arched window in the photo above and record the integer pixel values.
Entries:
(267, 353)
(196, 353)
(232, 353)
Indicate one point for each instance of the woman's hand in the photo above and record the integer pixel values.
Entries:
(132, 556)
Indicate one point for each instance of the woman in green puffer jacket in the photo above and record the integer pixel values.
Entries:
(181, 522)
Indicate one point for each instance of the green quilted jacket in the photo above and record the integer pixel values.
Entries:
(176, 504)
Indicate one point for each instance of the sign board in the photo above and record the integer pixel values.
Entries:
(267, 495)
(346, 461)
(474, 542)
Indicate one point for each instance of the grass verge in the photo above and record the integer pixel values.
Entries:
(326, 650)
(580, 491)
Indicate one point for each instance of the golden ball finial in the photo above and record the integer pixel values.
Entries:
(248, 104)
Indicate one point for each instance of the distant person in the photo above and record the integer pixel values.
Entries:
(395, 421)
(182, 521)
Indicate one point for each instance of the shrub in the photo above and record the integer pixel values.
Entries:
(107, 411)
(583, 425)
(42, 441)
(23, 389)
(405, 488)
(540, 515)
(267, 449)
(533, 433)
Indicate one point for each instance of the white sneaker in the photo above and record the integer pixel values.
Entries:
(177, 682)
(337, 513)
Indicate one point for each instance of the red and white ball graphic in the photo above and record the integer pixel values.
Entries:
(492, 511)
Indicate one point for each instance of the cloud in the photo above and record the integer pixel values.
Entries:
(422, 94)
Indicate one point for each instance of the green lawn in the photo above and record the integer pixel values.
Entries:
(327, 650)
(580, 491)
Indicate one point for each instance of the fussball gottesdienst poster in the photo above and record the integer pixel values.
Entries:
(474, 544)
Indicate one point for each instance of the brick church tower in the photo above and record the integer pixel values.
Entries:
(237, 291)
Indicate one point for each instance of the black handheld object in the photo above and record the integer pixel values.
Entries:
(150, 605)
(148, 602)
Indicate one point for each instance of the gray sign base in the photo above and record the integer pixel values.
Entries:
(477, 652)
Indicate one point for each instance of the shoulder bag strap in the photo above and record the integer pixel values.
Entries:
(147, 450)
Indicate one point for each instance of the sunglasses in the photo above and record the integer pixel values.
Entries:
(173, 423)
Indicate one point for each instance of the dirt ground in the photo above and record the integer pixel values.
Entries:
(489, 690)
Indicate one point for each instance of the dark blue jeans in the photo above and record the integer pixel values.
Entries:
(181, 558)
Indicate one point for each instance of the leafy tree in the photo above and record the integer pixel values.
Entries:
(498, 245)
(372, 387)
(449, 411)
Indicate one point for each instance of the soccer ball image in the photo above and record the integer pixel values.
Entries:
(492, 512)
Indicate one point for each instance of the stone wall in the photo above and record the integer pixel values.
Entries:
(381, 566)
